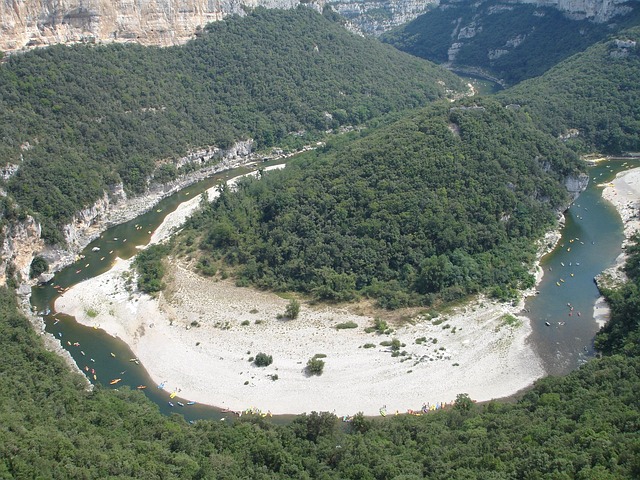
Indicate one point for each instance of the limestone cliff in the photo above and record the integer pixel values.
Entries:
(28, 23)
(599, 11)
(21, 243)
(22, 240)
(375, 17)
(32, 23)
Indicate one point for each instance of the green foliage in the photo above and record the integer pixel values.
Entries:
(315, 366)
(441, 204)
(38, 266)
(511, 43)
(463, 402)
(345, 325)
(263, 360)
(595, 92)
(379, 326)
(580, 426)
(621, 334)
(293, 309)
(148, 264)
(86, 117)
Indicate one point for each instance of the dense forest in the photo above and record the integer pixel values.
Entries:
(443, 203)
(511, 42)
(582, 426)
(446, 201)
(595, 92)
(82, 118)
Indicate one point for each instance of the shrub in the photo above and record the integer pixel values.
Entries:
(263, 360)
(315, 366)
(349, 324)
(379, 326)
(293, 309)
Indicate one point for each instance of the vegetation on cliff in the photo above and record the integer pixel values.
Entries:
(581, 426)
(78, 119)
(596, 93)
(440, 204)
(447, 191)
(511, 42)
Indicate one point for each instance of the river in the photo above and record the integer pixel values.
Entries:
(591, 240)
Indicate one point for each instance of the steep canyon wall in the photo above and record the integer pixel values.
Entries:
(33, 23)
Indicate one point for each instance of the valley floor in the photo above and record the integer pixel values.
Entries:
(199, 334)
(473, 350)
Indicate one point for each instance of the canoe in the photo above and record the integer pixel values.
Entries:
(115, 380)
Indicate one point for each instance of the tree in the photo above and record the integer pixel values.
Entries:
(38, 265)
(293, 309)
(463, 402)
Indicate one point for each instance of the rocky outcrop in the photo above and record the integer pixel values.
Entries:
(22, 240)
(30, 23)
(20, 245)
(376, 17)
(599, 11)
(576, 184)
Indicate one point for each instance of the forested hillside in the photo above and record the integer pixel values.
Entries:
(78, 119)
(443, 203)
(509, 41)
(596, 92)
(582, 426)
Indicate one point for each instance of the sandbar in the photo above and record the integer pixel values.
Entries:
(199, 334)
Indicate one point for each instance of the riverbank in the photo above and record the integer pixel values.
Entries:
(198, 336)
(624, 194)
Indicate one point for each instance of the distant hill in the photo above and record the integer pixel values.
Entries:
(443, 203)
(592, 98)
(509, 41)
(78, 119)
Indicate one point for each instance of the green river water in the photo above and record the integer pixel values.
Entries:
(592, 223)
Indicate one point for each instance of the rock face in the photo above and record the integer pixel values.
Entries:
(22, 242)
(376, 17)
(599, 11)
(30, 23)
(20, 245)
(576, 184)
